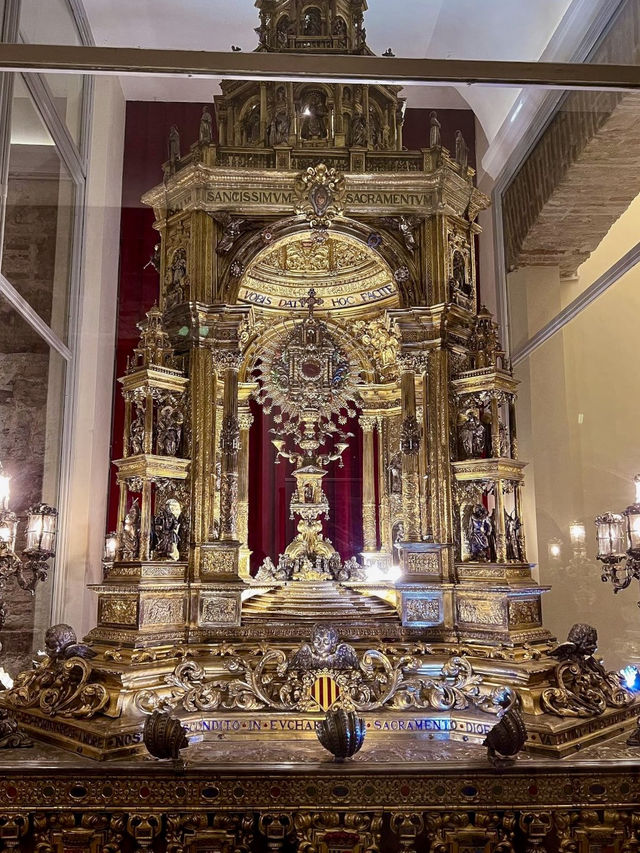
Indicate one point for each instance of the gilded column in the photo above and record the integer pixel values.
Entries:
(513, 434)
(338, 132)
(263, 112)
(439, 458)
(245, 419)
(365, 110)
(293, 127)
(501, 539)
(367, 424)
(495, 427)
(410, 448)
(229, 448)
(203, 418)
(145, 521)
(383, 489)
(517, 497)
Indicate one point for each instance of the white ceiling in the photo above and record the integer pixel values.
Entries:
(460, 29)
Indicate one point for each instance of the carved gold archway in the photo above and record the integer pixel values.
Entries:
(344, 271)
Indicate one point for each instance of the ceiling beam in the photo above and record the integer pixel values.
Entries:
(289, 66)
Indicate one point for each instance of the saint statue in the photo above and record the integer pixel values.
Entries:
(166, 529)
(434, 130)
(358, 129)
(136, 432)
(462, 152)
(205, 135)
(312, 22)
(281, 122)
(174, 144)
(130, 535)
(395, 475)
(472, 436)
(478, 533)
(170, 421)
(512, 526)
(315, 118)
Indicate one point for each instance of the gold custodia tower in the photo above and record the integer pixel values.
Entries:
(312, 264)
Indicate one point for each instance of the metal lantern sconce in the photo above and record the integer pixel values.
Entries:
(618, 536)
(578, 536)
(40, 542)
(110, 547)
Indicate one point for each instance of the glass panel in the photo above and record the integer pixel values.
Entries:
(39, 216)
(66, 93)
(578, 427)
(31, 413)
(48, 23)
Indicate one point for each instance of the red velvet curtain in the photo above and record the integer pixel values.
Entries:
(271, 487)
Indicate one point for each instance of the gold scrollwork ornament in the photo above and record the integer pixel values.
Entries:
(320, 193)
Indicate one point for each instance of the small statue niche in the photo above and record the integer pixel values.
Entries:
(308, 493)
(166, 531)
(312, 22)
(479, 533)
(169, 429)
(130, 534)
(375, 129)
(136, 432)
(251, 126)
(460, 284)
(513, 531)
(358, 131)
(178, 280)
(280, 125)
(395, 475)
(314, 116)
(282, 32)
(472, 436)
(339, 30)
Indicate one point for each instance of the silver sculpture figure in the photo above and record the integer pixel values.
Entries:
(205, 134)
(130, 535)
(478, 532)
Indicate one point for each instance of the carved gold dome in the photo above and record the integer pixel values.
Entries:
(344, 272)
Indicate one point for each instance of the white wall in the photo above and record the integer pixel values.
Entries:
(94, 366)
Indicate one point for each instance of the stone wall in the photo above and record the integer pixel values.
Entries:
(28, 396)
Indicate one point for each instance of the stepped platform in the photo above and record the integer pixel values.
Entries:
(317, 601)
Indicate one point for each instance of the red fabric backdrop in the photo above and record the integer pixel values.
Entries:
(270, 487)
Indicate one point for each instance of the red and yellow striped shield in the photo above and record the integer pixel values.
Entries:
(325, 691)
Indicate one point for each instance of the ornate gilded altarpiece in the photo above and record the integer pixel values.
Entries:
(309, 262)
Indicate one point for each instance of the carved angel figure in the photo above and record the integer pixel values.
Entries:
(406, 225)
(232, 228)
(60, 641)
(324, 652)
(584, 687)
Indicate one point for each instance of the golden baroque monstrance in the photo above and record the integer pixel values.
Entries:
(311, 263)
